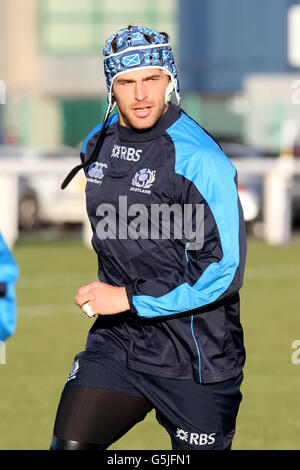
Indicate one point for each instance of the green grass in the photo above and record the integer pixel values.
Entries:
(51, 330)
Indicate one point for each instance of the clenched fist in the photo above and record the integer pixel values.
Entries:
(103, 299)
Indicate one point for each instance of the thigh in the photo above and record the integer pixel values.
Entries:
(99, 402)
(95, 415)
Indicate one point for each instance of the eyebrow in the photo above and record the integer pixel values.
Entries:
(124, 80)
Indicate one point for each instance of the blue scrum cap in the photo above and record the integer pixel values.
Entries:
(135, 48)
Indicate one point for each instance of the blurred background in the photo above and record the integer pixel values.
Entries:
(239, 71)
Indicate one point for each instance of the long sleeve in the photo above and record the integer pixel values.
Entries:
(214, 267)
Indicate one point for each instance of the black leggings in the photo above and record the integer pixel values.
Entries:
(94, 418)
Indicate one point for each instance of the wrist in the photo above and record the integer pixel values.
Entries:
(123, 299)
(129, 294)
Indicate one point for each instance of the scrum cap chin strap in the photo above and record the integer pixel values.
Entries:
(93, 155)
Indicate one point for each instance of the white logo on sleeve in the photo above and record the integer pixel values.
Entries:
(74, 370)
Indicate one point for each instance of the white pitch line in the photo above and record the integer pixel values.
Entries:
(272, 272)
(53, 280)
(69, 280)
(252, 272)
(48, 309)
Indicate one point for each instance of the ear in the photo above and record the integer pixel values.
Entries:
(169, 91)
(113, 99)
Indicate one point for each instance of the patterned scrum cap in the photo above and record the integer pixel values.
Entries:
(137, 47)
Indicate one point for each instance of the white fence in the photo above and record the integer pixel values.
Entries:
(10, 171)
(277, 173)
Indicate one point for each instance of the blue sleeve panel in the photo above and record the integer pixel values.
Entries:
(8, 275)
(199, 159)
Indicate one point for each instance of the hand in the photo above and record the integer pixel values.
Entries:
(103, 298)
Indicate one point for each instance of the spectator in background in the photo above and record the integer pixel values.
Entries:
(8, 275)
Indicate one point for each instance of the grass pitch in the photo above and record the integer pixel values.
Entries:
(51, 330)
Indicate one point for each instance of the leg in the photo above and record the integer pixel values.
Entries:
(90, 418)
(196, 416)
(221, 404)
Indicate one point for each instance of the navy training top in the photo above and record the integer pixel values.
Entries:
(183, 273)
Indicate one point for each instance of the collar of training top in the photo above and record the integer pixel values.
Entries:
(135, 48)
(142, 135)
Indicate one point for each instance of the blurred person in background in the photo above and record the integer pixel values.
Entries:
(167, 334)
(8, 277)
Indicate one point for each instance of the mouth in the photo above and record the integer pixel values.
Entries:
(142, 111)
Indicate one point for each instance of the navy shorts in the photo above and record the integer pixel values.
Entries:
(196, 416)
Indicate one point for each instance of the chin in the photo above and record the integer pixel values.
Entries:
(142, 124)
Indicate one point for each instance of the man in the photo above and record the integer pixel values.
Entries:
(8, 275)
(167, 334)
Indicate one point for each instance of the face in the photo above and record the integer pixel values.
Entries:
(140, 97)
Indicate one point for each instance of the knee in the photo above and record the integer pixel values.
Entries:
(64, 444)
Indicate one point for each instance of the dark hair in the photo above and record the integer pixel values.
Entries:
(114, 44)
(165, 34)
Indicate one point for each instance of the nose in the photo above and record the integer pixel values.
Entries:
(140, 91)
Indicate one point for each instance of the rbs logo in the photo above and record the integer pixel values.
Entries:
(195, 438)
(126, 153)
